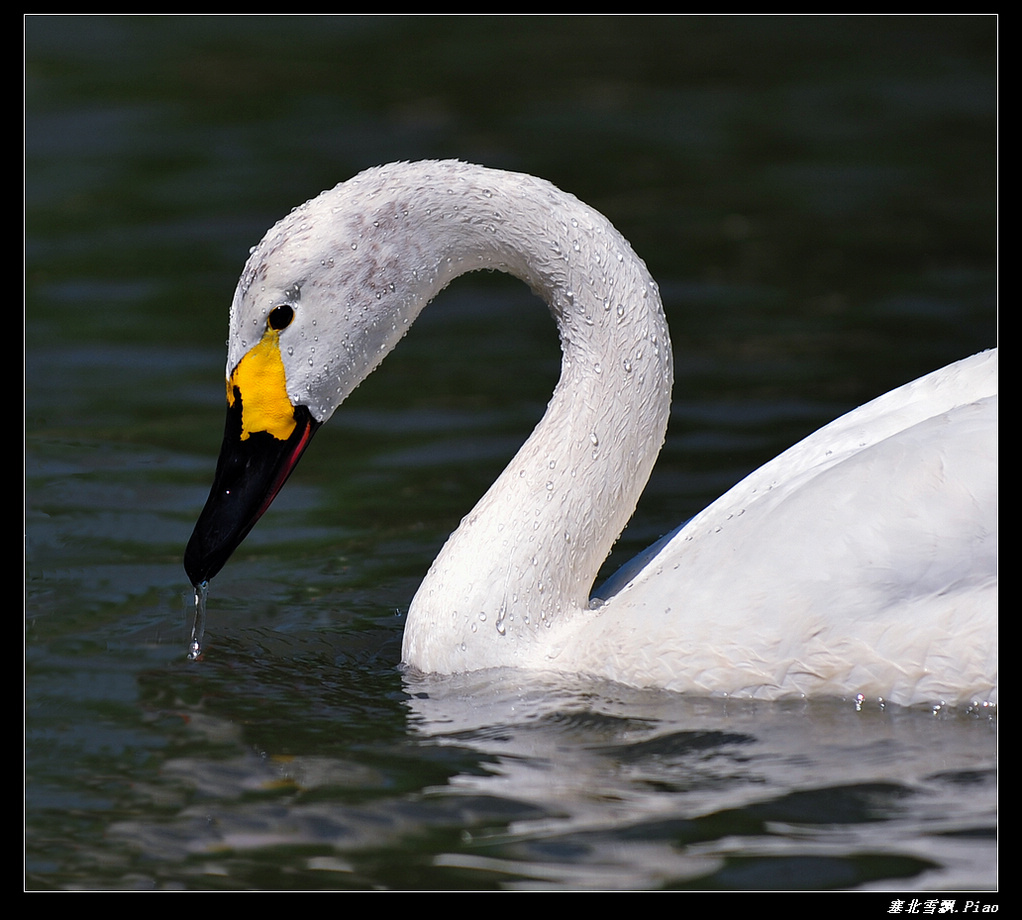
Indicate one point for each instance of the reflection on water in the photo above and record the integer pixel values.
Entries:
(505, 782)
(659, 790)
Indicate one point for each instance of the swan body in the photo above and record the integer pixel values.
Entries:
(860, 561)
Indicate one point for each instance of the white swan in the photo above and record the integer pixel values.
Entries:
(862, 560)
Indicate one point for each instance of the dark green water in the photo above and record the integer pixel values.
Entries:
(816, 197)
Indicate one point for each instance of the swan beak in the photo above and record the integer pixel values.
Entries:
(262, 445)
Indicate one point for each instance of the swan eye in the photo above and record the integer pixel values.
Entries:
(280, 317)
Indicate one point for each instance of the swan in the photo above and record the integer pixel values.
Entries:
(859, 563)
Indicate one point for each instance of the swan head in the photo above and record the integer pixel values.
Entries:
(316, 309)
(269, 425)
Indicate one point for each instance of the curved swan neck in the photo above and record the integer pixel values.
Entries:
(528, 553)
(358, 264)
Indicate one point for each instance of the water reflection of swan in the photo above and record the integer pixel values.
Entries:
(604, 786)
(862, 560)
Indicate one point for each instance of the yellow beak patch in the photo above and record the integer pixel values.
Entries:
(260, 381)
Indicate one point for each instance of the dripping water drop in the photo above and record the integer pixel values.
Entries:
(198, 622)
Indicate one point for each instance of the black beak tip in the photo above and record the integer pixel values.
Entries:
(198, 567)
(248, 476)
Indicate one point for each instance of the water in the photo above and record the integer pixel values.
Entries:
(816, 198)
(199, 622)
